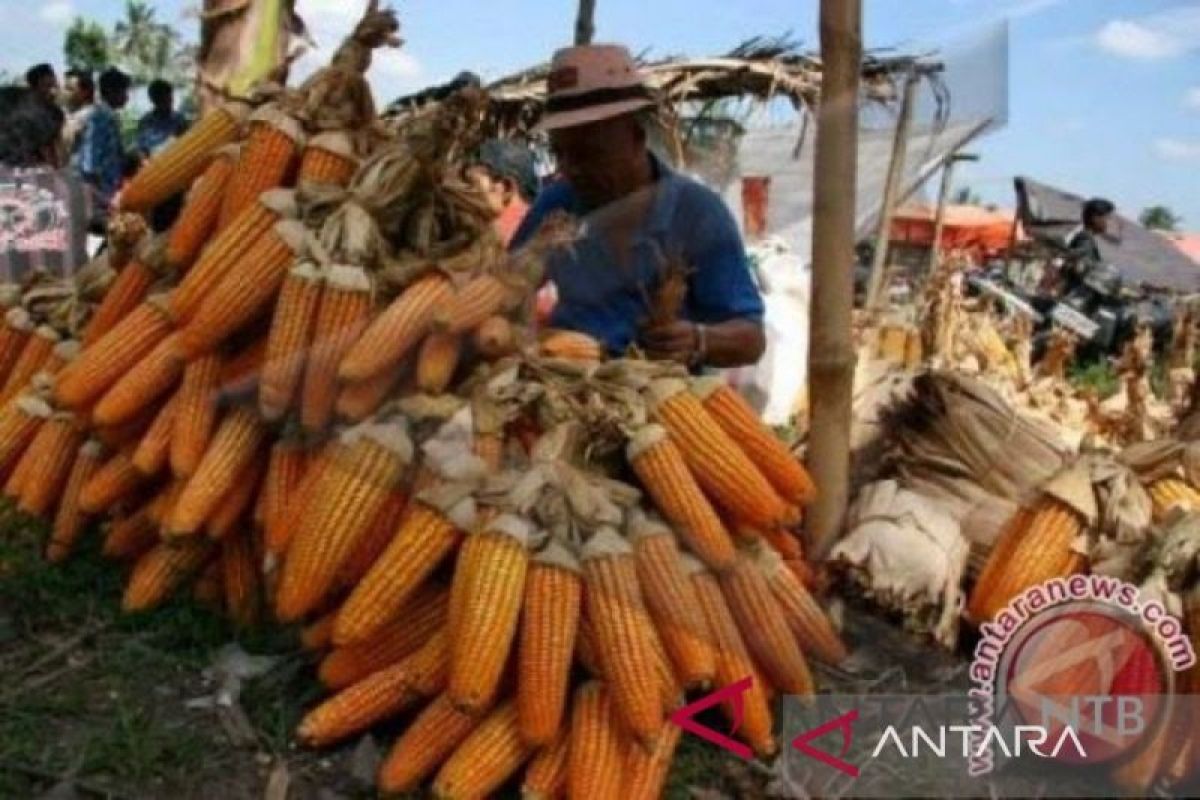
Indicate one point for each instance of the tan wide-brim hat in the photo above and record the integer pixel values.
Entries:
(591, 83)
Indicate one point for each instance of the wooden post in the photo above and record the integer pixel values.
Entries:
(891, 190)
(831, 349)
(585, 25)
(939, 218)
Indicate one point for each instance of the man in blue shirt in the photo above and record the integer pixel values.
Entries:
(162, 123)
(638, 217)
(99, 155)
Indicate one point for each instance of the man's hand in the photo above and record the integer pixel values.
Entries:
(673, 341)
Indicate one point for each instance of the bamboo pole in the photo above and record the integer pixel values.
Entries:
(585, 25)
(891, 191)
(939, 217)
(831, 350)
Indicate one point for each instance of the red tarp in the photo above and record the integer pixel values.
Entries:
(977, 230)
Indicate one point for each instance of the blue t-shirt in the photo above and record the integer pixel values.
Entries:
(599, 296)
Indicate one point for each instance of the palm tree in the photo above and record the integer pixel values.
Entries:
(145, 46)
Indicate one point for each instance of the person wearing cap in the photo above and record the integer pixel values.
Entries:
(504, 173)
(637, 217)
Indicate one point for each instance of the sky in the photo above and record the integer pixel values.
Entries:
(1104, 95)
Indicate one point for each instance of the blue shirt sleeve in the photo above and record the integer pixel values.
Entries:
(555, 197)
(722, 287)
(100, 152)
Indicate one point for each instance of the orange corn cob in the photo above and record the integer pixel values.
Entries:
(425, 745)
(1169, 493)
(623, 631)
(437, 360)
(37, 351)
(645, 771)
(241, 370)
(735, 416)
(785, 544)
(159, 508)
(672, 603)
(227, 249)
(720, 466)
(14, 334)
(378, 696)
(661, 468)
(285, 472)
(20, 420)
(1026, 556)
(162, 570)
(341, 319)
(70, 519)
(245, 291)
(397, 330)
(495, 338)
(113, 482)
(125, 435)
(546, 777)
(273, 143)
(594, 763)
(51, 455)
(318, 635)
(357, 401)
(423, 539)
(474, 302)
(348, 496)
(130, 536)
(800, 610)
(770, 640)
(233, 447)
(240, 579)
(423, 615)
(235, 505)
(550, 620)
(209, 588)
(328, 159)
(195, 415)
(137, 389)
(100, 366)
(175, 168)
(289, 340)
(63, 353)
(198, 219)
(128, 290)
(571, 345)
(371, 546)
(150, 455)
(491, 567)
(488, 757)
(733, 660)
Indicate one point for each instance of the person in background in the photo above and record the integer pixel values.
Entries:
(79, 99)
(43, 82)
(99, 156)
(45, 210)
(639, 217)
(162, 123)
(504, 172)
(1083, 245)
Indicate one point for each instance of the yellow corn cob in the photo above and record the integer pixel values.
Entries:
(70, 519)
(738, 419)
(763, 628)
(1027, 556)
(623, 631)
(235, 505)
(424, 614)
(14, 334)
(546, 776)
(198, 218)
(495, 338)
(720, 466)
(273, 143)
(549, 622)
(488, 757)
(349, 494)
(195, 415)
(51, 455)
(150, 455)
(20, 420)
(371, 546)
(474, 302)
(113, 482)
(245, 291)
(162, 570)
(177, 165)
(645, 771)
(128, 289)
(129, 537)
(378, 696)
(240, 371)
(159, 508)
(661, 468)
(437, 360)
(357, 401)
(571, 345)
(233, 447)
(126, 435)
(490, 577)
(733, 660)
(101, 365)
(425, 537)
(672, 603)
(328, 159)
(148, 380)
(342, 317)
(240, 579)
(808, 621)
(289, 339)
(393, 333)
(285, 471)
(425, 744)
(596, 753)
(318, 635)
(1169, 493)
(209, 588)
(37, 351)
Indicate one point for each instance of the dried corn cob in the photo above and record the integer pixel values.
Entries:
(570, 345)
(318, 635)
(357, 401)
(37, 351)
(437, 360)
(488, 757)
(478, 299)
(246, 290)
(51, 455)
(375, 541)
(285, 472)
(661, 468)
(137, 389)
(549, 622)
(495, 338)
(328, 160)
(175, 168)
(113, 482)
(289, 340)
(70, 519)
(128, 290)
(150, 455)
(802, 613)
(20, 420)
(393, 333)
(546, 776)
(720, 466)
(130, 536)
(645, 771)
(162, 570)
(273, 143)
(209, 589)
(14, 334)
(596, 754)
(241, 370)
(425, 744)
(233, 447)
(1169, 493)
(351, 491)
(240, 579)
(235, 505)
(623, 631)
(195, 415)
(342, 316)
(197, 220)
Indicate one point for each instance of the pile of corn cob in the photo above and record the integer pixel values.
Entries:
(317, 394)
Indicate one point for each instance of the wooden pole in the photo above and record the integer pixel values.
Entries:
(585, 26)
(939, 218)
(891, 190)
(831, 349)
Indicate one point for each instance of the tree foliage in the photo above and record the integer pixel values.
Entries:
(1160, 218)
(85, 46)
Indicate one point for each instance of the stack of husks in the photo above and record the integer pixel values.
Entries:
(317, 394)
